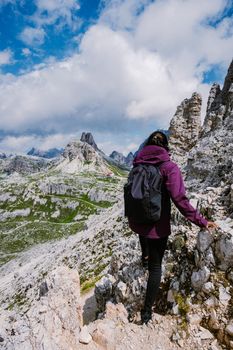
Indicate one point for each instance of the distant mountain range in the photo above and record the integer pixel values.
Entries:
(50, 153)
(86, 137)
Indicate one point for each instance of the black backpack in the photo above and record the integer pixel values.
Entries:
(142, 194)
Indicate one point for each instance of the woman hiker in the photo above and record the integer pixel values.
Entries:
(153, 237)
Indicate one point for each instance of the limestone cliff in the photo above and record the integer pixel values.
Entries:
(210, 162)
(185, 127)
(81, 156)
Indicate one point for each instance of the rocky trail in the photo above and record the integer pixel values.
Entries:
(161, 333)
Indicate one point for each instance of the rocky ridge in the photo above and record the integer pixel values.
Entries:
(195, 308)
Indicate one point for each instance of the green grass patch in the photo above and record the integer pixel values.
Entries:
(30, 234)
(101, 204)
(87, 285)
(18, 301)
(117, 171)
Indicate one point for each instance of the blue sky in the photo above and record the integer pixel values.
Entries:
(117, 68)
(58, 43)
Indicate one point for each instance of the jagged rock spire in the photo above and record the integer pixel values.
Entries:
(88, 138)
(185, 126)
(220, 103)
(228, 85)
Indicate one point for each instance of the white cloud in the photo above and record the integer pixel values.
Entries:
(179, 30)
(6, 57)
(32, 36)
(59, 12)
(55, 141)
(114, 144)
(122, 80)
(26, 52)
(121, 14)
(13, 143)
(22, 144)
(108, 81)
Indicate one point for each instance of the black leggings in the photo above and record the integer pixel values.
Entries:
(154, 249)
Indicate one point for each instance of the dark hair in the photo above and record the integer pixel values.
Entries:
(157, 138)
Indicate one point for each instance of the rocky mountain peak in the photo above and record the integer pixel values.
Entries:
(129, 159)
(80, 156)
(79, 150)
(220, 104)
(121, 159)
(185, 126)
(88, 138)
(118, 157)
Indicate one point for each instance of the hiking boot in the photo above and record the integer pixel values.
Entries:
(146, 315)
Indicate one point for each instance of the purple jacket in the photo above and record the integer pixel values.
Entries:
(172, 188)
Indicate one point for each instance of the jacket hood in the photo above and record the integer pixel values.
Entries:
(151, 155)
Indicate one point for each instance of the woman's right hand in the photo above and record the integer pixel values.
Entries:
(211, 225)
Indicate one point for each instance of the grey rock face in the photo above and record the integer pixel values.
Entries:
(129, 159)
(81, 151)
(224, 250)
(54, 188)
(185, 127)
(79, 156)
(121, 159)
(126, 281)
(198, 278)
(204, 240)
(57, 315)
(210, 162)
(213, 101)
(43, 289)
(118, 157)
(88, 138)
(220, 103)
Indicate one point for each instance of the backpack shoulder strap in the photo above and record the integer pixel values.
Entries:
(139, 181)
